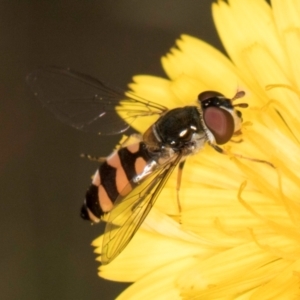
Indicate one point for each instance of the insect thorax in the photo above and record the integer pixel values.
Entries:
(178, 130)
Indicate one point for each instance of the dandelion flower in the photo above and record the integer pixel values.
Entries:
(239, 235)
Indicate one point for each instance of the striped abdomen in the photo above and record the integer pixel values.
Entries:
(113, 179)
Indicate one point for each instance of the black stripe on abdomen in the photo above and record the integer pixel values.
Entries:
(108, 180)
(92, 203)
(128, 159)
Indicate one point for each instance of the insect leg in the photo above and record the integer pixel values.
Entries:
(135, 137)
(236, 141)
(93, 158)
(222, 151)
(179, 176)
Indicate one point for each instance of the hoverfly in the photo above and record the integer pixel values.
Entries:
(128, 182)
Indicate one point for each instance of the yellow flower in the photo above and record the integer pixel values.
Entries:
(239, 236)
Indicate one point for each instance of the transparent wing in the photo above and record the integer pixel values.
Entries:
(130, 211)
(87, 103)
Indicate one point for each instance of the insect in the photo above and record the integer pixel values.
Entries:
(128, 182)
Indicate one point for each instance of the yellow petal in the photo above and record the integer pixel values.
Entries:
(160, 284)
(242, 25)
(287, 20)
(150, 249)
(237, 233)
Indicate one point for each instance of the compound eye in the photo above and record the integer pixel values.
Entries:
(220, 122)
(208, 94)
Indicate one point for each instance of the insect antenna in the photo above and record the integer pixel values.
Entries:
(238, 95)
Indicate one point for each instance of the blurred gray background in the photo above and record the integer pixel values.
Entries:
(45, 246)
